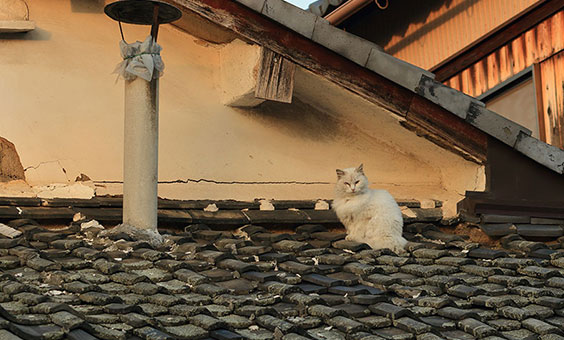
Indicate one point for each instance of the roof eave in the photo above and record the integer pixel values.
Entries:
(459, 122)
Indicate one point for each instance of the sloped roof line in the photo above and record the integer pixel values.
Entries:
(371, 56)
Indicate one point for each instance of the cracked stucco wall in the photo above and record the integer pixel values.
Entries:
(63, 110)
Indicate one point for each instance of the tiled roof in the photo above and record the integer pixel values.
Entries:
(527, 226)
(411, 77)
(82, 282)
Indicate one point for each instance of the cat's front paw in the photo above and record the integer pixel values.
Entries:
(399, 251)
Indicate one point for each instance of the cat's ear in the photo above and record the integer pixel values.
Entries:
(360, 168)
(340, 173)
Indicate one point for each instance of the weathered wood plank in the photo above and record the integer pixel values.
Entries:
(549, 99)
(537, 44)
(46, 213)
(21, 201)
(275, 79)
(558, 128)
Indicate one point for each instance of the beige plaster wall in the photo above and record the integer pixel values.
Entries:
(62, 108)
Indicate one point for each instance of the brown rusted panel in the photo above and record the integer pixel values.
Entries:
(534, 45)
(492, 70)
(506, 63)
(453, 130)
(548, 94)
(537, 81)
(552, 85)
(558, 130)
(483, 75)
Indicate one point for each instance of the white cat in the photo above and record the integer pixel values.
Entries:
(369, 216)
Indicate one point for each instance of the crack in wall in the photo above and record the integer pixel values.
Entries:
(35, 167)
(205, 180)
(212, 181)
(477, 179)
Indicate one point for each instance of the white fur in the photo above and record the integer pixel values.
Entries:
(369, 216)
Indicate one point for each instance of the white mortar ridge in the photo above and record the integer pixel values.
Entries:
(444, 96)
(290, 16)
(321, 205)
(495, 125)
(548, 155)
(266, 205)
(348, 45)
(396, 70)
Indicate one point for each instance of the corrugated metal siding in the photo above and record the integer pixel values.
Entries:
(454, 26)
(543, 44)
(535, 45)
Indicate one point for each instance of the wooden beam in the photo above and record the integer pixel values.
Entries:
(477, 203)
(446, 130)
(497, 38)
(371, 86)
(275, 79)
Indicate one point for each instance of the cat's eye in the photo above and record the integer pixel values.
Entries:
(347, 183)
(356, 182)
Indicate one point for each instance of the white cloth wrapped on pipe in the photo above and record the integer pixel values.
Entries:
(140, 59)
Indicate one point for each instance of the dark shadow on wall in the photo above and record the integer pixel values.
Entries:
(297, 119)
(37, 34)
(379, 26)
